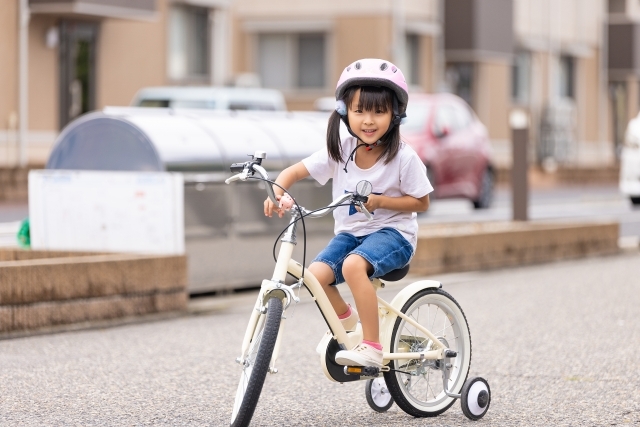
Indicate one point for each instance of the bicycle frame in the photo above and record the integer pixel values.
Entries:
(277, 287)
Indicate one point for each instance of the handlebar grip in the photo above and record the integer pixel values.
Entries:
(231, 179)
(237, 167)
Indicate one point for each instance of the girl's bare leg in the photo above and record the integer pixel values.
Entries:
(325, 276)
(355, 270)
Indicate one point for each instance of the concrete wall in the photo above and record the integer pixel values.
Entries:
(39, 289)
(467, 247)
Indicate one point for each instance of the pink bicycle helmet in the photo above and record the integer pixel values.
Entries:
(375, 72)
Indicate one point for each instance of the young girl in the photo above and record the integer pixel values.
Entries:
(371, 100)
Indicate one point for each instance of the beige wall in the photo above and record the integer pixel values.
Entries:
(492, 97)
(240, 48)
(589, 98)
(567, 22)
(360, 37)
(43, 77)
(9, 58)
(131, 55)
(427, 77)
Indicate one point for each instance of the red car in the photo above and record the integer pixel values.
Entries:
(453, 144)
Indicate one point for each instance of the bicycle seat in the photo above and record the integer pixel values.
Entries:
(395, 275)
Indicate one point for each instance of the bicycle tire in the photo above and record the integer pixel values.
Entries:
(404, 339)
(255, 371)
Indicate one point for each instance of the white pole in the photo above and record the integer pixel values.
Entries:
(23, 74)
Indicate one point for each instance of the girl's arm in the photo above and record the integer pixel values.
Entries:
(286, 179)
(400, 204)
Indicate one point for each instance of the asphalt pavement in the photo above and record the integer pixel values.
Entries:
(559, 344)
(568, 203)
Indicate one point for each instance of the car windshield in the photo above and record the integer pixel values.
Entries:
(417, 114)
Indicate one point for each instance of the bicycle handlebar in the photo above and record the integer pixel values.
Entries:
(251, 167)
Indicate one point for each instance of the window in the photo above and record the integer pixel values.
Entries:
(566, 77)
(412, 56)
(189, 42)
(292, 61)
(521, 77)
(311, 60)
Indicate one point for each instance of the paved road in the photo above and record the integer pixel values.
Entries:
(567, 203)
(559, 344)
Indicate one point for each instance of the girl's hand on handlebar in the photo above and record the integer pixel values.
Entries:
(270, 207)
(372, 204)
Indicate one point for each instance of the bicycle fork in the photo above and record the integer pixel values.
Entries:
(269, 289)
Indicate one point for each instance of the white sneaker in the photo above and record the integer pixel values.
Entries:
(351, 322)
(361, 355)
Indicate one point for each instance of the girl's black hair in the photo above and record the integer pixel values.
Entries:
(371, 98)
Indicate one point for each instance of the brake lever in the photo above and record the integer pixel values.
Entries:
(364, 210)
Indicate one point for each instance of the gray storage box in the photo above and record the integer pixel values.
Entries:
(228, 239)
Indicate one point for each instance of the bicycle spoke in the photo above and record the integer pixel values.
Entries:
(424, 387)
(434, 318)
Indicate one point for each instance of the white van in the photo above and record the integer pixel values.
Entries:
(210, 97)
(630, 162)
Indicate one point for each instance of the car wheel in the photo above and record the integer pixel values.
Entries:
(485, 195)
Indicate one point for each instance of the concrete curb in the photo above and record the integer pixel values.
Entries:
(478, 246)
(40, 289)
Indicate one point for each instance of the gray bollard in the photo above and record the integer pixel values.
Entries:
(519, 121)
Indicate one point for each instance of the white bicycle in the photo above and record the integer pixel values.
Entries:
(423, 328)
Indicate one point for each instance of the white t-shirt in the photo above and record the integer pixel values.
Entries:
(404, 175)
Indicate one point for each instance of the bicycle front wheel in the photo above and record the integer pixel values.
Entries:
(256, 364)
(417, 385)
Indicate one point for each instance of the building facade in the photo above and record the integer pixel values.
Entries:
(572, 65)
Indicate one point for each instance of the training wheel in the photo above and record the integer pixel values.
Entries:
(475, 398)
(378, 396)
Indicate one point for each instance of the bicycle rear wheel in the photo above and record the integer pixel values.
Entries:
(256, 364)
(416, 385)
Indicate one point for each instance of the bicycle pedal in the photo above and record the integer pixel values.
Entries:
(365, 371)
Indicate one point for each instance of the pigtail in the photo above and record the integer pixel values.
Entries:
(334, 143)
(391, 144)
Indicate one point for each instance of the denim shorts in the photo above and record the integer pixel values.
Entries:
(386, 250)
